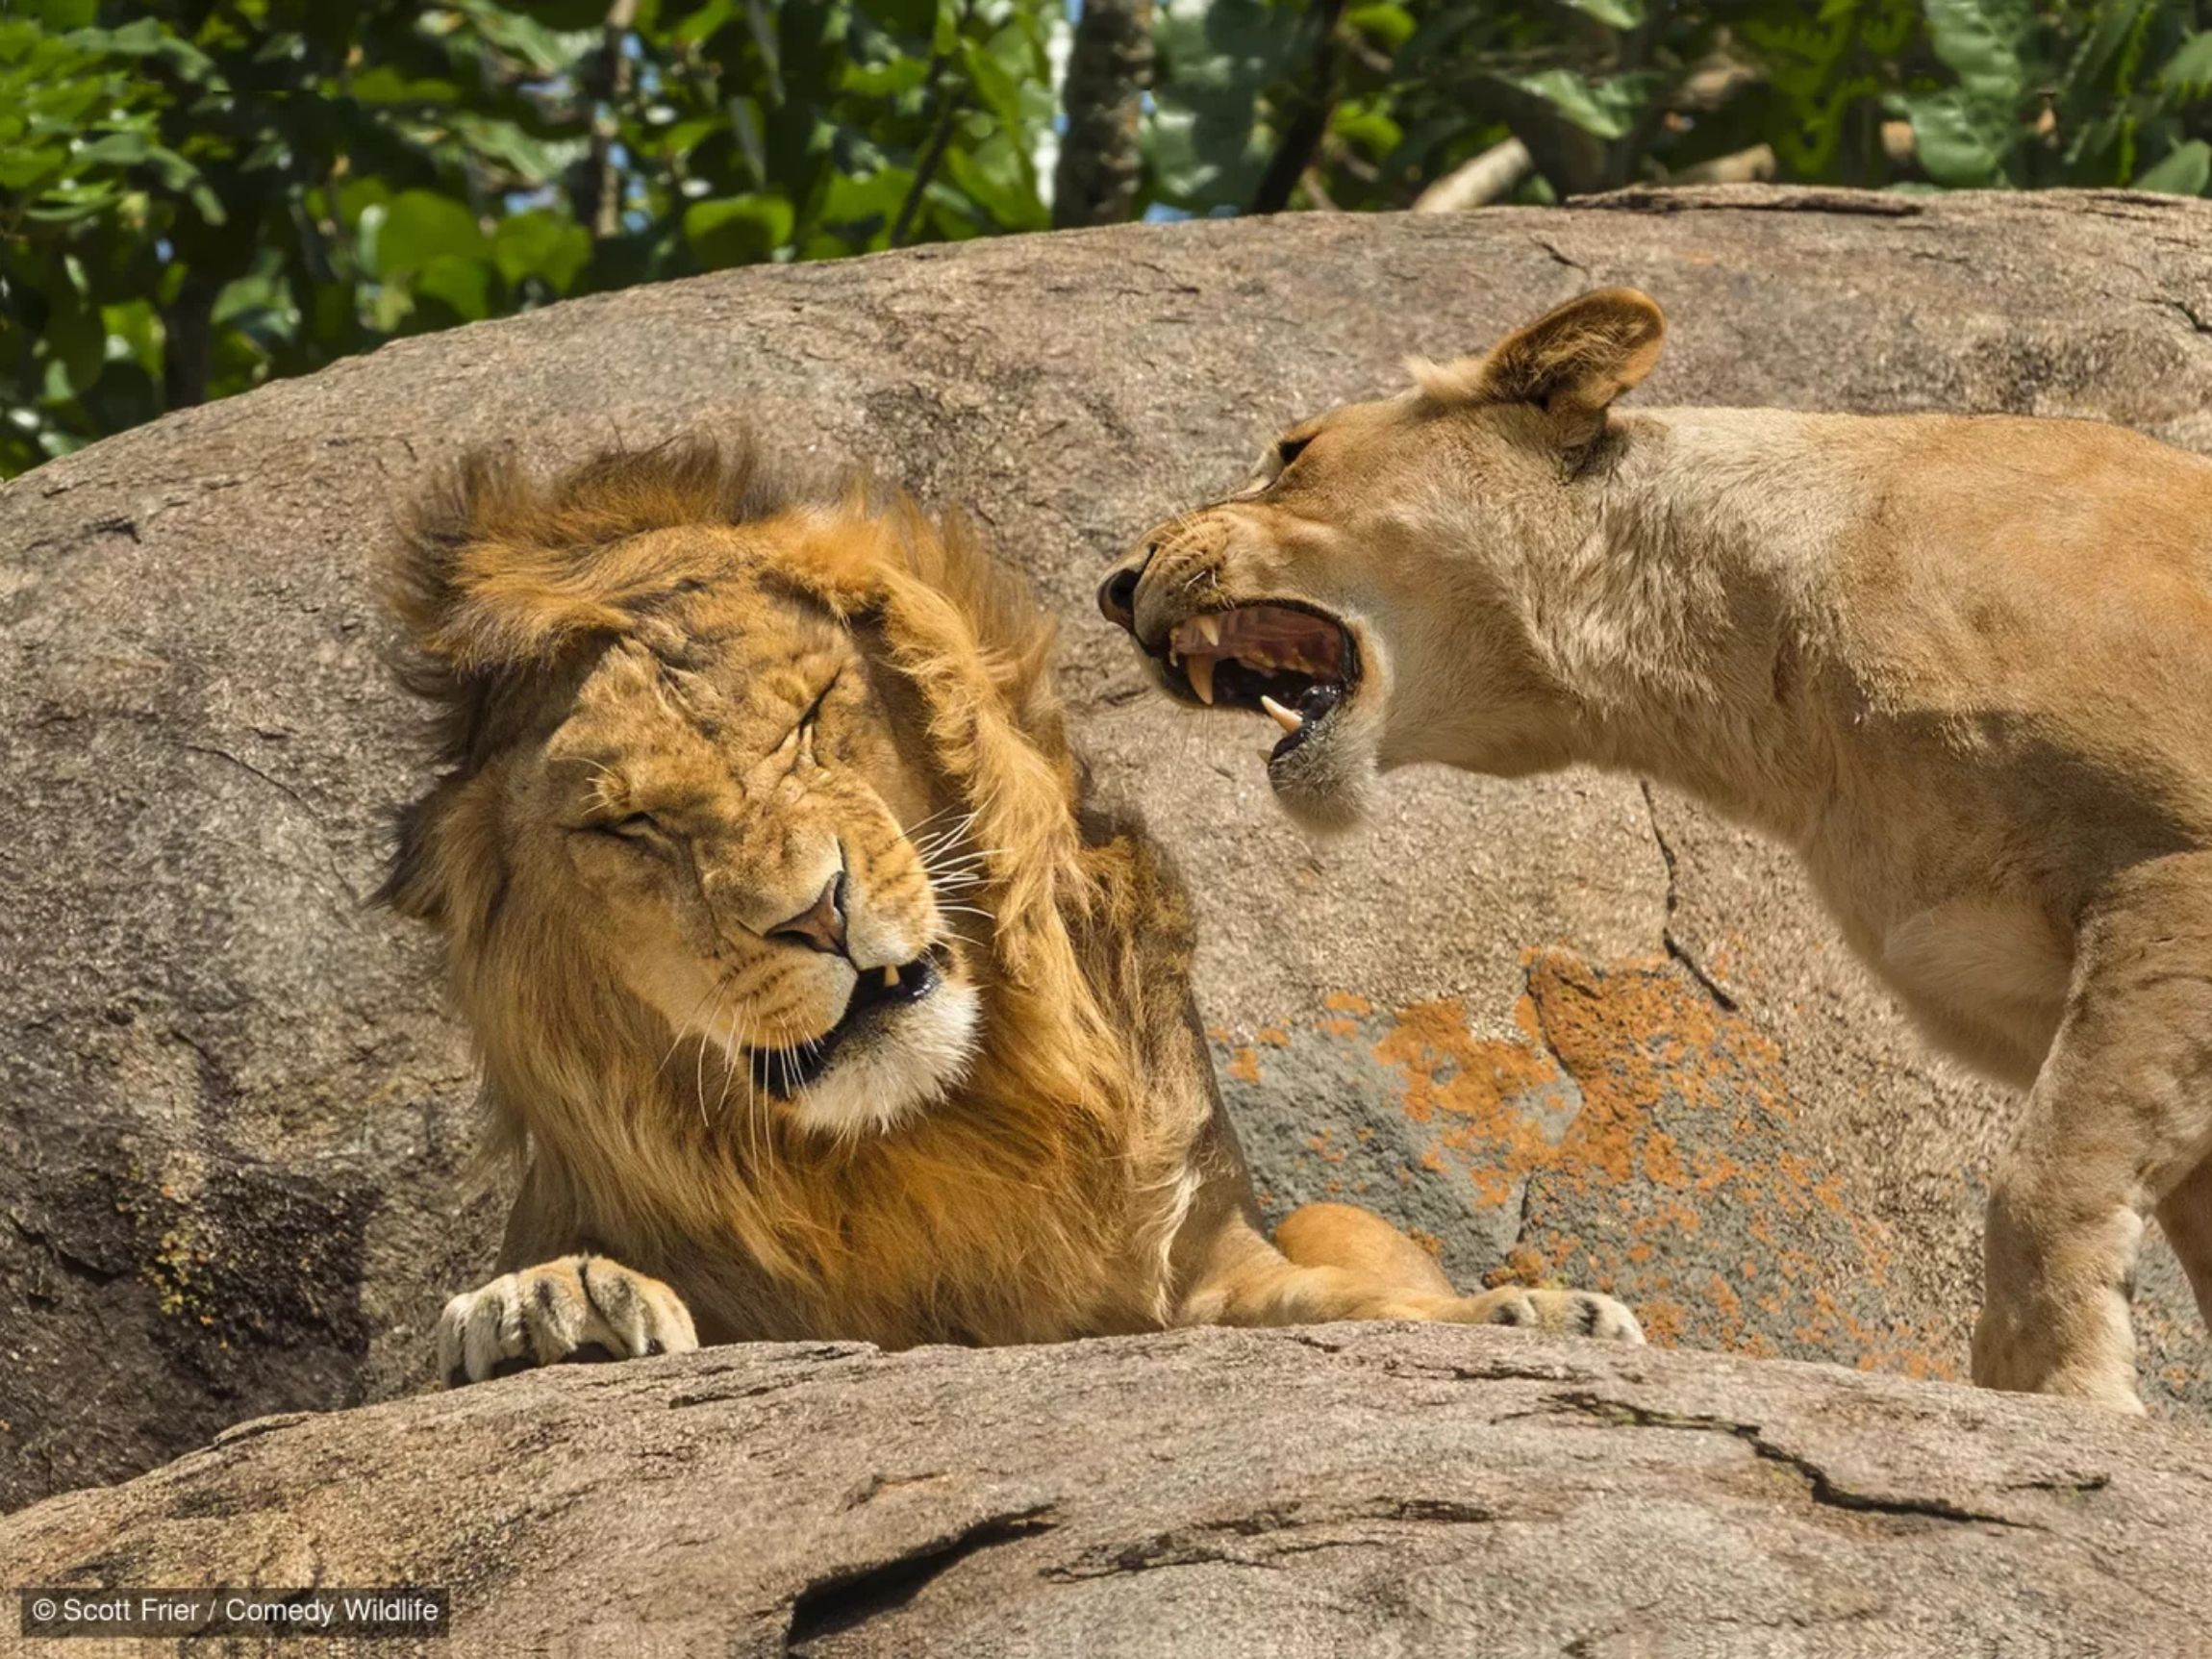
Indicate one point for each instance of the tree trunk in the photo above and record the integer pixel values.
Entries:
(598, 202)
(1108, 73)
(1310, 119)
(187, 341)
(1478, 182)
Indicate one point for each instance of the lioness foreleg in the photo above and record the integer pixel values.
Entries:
(557, 1311)
(2185, 1214)
(2118, 1120)
(1332, 1262)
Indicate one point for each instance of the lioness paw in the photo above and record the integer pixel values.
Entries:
(1563, 1313)
(576, 1308)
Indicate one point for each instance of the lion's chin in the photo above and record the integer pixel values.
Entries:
(881, 1078)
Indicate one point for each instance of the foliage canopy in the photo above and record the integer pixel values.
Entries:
(196, 195)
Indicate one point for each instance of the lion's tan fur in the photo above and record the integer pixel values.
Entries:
(1075, 1179)
(1038, 1199)
(1962, 666)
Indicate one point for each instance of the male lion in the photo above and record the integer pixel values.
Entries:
(813, 998)
(1962, 666)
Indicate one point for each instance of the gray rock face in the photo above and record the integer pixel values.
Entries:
(1567, 1030)
(1377, 1489)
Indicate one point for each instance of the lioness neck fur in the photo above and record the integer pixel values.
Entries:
(811, 995)
(1962, 666)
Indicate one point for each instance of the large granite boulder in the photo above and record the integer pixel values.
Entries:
(1353, 1490)
(1566, 1028)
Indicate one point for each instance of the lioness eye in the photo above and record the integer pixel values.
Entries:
(638, 826)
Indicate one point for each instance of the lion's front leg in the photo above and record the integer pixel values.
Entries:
(573, 1308)
(1563, 1313)
(1332, 1262)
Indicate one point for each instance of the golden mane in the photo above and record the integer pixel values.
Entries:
(992, 1217)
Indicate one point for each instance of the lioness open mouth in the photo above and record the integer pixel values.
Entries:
(1291, 663)
(784, 1072)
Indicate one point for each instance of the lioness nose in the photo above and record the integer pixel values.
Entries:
(820, 926)
(1117, 593)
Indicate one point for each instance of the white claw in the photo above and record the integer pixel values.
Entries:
(1201, 672)
(1287, 718)
(1210, 630)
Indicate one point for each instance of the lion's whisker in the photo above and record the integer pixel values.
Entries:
(683, 1030)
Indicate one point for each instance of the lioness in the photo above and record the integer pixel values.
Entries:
(813, 998)
(1962, 666)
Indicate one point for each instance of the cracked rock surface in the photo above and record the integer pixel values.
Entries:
(1377, 1489)
(1563, 1030)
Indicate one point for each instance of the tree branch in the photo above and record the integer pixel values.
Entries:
(1302, 138)
(603, 181)
(932, 155)
(1477, 182)
(1109, 67)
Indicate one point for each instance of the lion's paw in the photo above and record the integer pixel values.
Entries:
(1564, 1313)
(572, 1309)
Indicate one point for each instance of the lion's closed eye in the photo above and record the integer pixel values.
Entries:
(640, 829)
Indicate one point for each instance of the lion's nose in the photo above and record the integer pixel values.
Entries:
(820, 926)
(1117, 593)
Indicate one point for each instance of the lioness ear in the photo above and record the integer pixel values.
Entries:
(1571, 362)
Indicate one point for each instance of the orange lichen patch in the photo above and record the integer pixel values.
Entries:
(1664, 1320)
(1640, 1130)
(1476, 1087)
(1523, 1264)
(1319, 1145)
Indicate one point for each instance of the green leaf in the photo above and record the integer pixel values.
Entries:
(1372, 130)
(1392, 25)
(1953, 139)
(463, 284)
(388, 84)
(2190, 69)
(1614, 14)
(1982, 40)
(419, 226)
(76, 337)
(737, 230)
(25, 168)
(1607, 108)
(546, 51)
(2185, 170)
(995, 177)
(131, 330)
(540, 244)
